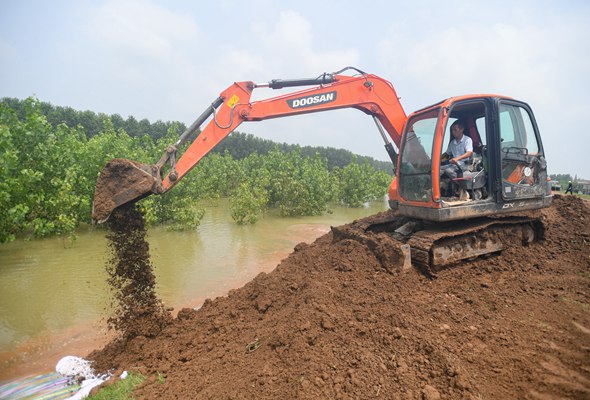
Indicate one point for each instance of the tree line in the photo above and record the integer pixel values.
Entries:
(48, 172)
(238, 145)
(91, 122)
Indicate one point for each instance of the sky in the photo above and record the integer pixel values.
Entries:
(168, 60)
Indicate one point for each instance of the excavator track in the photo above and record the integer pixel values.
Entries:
(436, 246)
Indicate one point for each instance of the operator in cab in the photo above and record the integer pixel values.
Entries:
(458, 154)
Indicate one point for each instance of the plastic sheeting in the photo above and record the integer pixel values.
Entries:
(73, 380)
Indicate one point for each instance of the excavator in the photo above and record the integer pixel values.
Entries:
(505, 180)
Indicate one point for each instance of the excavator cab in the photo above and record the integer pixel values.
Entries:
(507, 171)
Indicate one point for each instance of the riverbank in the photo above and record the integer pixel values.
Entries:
(55, 300)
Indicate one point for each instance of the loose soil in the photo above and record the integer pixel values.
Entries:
(331, 322)
(138, 310)
(120, 181)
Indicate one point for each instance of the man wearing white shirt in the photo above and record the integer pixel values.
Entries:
(460, 150)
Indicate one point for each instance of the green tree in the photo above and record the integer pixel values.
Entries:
(360, 183)
(48, 172)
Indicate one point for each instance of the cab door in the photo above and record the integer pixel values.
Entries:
(522, 161)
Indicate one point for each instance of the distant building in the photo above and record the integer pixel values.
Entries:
(583, 186)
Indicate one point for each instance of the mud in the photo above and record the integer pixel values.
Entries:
(331, 322)
(120, 181)
(137, 310)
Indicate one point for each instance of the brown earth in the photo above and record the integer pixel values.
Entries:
(331, 322)
(137, 310)
(120, 181)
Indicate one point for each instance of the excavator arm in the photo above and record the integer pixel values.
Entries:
(123, 181)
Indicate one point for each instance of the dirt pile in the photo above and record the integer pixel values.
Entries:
(331, 322)
(138, 310)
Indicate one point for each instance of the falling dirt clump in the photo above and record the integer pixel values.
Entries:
(138, 310)
(331, 322)
(120, 181)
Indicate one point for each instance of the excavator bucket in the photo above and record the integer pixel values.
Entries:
(123, 181)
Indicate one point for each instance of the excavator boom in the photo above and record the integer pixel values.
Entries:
(123, 181)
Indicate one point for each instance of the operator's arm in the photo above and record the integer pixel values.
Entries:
(463, 156)
(448, 154)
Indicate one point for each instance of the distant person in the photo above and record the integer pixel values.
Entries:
(570, 188)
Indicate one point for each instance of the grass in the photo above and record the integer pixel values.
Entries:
(121, 390)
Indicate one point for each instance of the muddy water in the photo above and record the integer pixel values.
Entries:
(54, 299)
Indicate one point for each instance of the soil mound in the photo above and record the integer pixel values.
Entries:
(331, 322)
(138, 310)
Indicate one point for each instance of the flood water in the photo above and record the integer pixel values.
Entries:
(54, 299)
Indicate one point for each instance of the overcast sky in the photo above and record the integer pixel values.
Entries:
(167, 60)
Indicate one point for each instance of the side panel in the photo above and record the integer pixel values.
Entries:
(472, 210)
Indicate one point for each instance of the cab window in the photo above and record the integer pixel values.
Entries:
(472, 113)
(520, 152)
(416, 162)
(516, 130)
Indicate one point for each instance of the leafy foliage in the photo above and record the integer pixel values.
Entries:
(48, 174)
(241, 145)
(360, 183)
(248, 203)
(238, 145)
(91, 122)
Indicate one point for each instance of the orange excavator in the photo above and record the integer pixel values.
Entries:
(503, 183)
